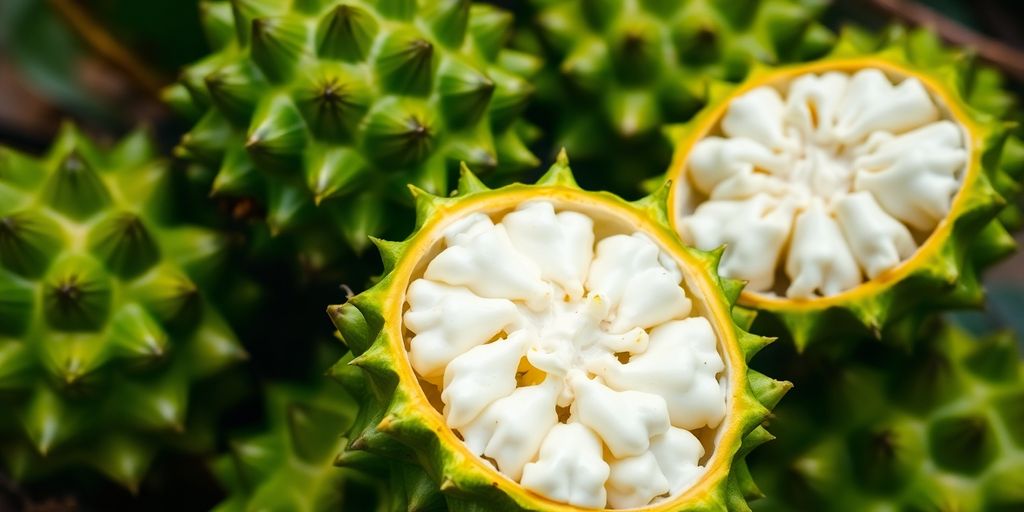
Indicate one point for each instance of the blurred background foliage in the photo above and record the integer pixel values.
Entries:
(101, 63)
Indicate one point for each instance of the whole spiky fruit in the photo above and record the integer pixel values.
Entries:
(933, 428)
(850, 190)
(540, 347)
(620, 70)
(321, 110)
(105, 328)
(289, 465)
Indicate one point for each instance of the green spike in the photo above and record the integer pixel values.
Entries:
(123, 243)
(310, 440)
(336, 172)
(16, 365)
(346, 33)
(587, 66)
(397, 9)
(448, 20)
(786, 24)
(236, 175)
(399, 133)
(468, 182)
(465, 93)
(177, 97)
(278, 45)
(405, 64)
(245, 12)
(28, 241)
(334, 103)
(885, 456)
(1010, 408)
(124, 460)
(995, 359)
(559, 173)
(214, 346)
(235, 90)
(768, 391)
(390, 252)
(205, 141)
(633, 113)
(217, 23)
(964, 444)
(490, 27)
(511, 96)
(513, 153)
(137, 334)
(77, 296)
(46, 422)
(277, 136)
(286, 207)
(352, 325)
(361, 217)
(636, 51)
(159, 403)
(601, 13)
(75, 189)
(169, 295)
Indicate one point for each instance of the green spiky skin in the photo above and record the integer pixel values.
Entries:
(951, 276)
(105, 326)
(390, 434)
(323, 110)
(620, 70)
(289, 465)
(935, 428)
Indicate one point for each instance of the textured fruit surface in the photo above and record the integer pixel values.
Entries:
(866, 183)
(620, 70)
(105, 325)
(289, 465)
(323, 110)
(933, 428)
(528, 380)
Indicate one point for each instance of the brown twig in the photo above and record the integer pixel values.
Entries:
(109, 48)
(1007, 58)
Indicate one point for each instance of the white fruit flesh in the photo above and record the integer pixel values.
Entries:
(819, 184)
(573, 363)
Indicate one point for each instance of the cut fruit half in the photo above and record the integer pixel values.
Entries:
(546, 348)
(852, 186)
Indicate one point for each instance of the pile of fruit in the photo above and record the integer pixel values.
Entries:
(533, 336)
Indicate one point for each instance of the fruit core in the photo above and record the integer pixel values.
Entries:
(564, 349)
(821, 182)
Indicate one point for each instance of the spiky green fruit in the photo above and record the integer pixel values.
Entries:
(621, 70)
(893, 243)
(933, 428)
(105, 326)
(417, 408)
(321, 110)
(289, 465)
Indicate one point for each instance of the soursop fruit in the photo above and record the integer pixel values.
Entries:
(476, 353)
(852, 190)
(106, 327)
(933, 428)
(322, 111)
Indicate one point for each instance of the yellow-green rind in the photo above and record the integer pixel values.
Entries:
(399, 424)
(945, 270)
(932, 426)
(106, 329)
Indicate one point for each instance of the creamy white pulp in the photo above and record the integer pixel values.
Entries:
(573, 365)
(816, 186)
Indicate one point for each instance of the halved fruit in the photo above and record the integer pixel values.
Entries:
(853, 188)
(540, 347)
